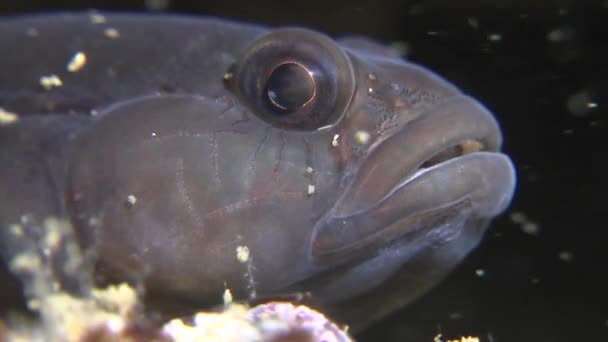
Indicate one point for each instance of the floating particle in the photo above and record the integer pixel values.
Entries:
(227, 297)
(370, 90)
(77, 62)
(456, 315)
(495, 37)
(371, 76)
(581, 103)
(560, 34)
(566, 256)
(242, 253)
(157, 5)
(517, 217)
(531, 228)
(473, 22)
(7, 118)
(526, 225)
(50, 82)
(480, 272)
(402, 49)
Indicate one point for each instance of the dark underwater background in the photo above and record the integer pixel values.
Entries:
(541, 273)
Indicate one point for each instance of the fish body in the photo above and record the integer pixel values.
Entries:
(194, 155)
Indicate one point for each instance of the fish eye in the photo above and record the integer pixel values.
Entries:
(295, 79)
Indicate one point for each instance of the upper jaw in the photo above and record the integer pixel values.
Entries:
(445, 159)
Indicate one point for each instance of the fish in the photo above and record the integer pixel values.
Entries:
(196, 155)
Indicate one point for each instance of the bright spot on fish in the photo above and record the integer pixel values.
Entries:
(311, 189)
(309, 169)
(370, 90)
(111, 33)
(335, 140)
(50, 82)
(97, 18)
(372, 77)
(242, 253)
(77, 62)
(362, 137)
(228, 76)
(7, 118)
(16, 229)
(131, 200)
(227, 297)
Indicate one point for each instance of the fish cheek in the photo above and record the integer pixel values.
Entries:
(139, 181)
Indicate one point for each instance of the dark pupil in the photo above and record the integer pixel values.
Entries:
(289, 87)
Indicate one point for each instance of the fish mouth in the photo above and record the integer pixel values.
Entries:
(444, 166)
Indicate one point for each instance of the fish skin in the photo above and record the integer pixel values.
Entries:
(169, 170)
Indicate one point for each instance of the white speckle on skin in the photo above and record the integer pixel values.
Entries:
(16, 229)
(370, 90)
(242, 253)
(362, 137)
(77, 62)
(372, 77)
(50, 82)
(131, 200)
(309, 169)
(336, 140)
(228, 76)
(97, 18)
(311, 189)
(111, 33)
(7, 118)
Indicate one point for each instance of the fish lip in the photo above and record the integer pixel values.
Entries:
(403, 216)
(437, 128)
(347, 226)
